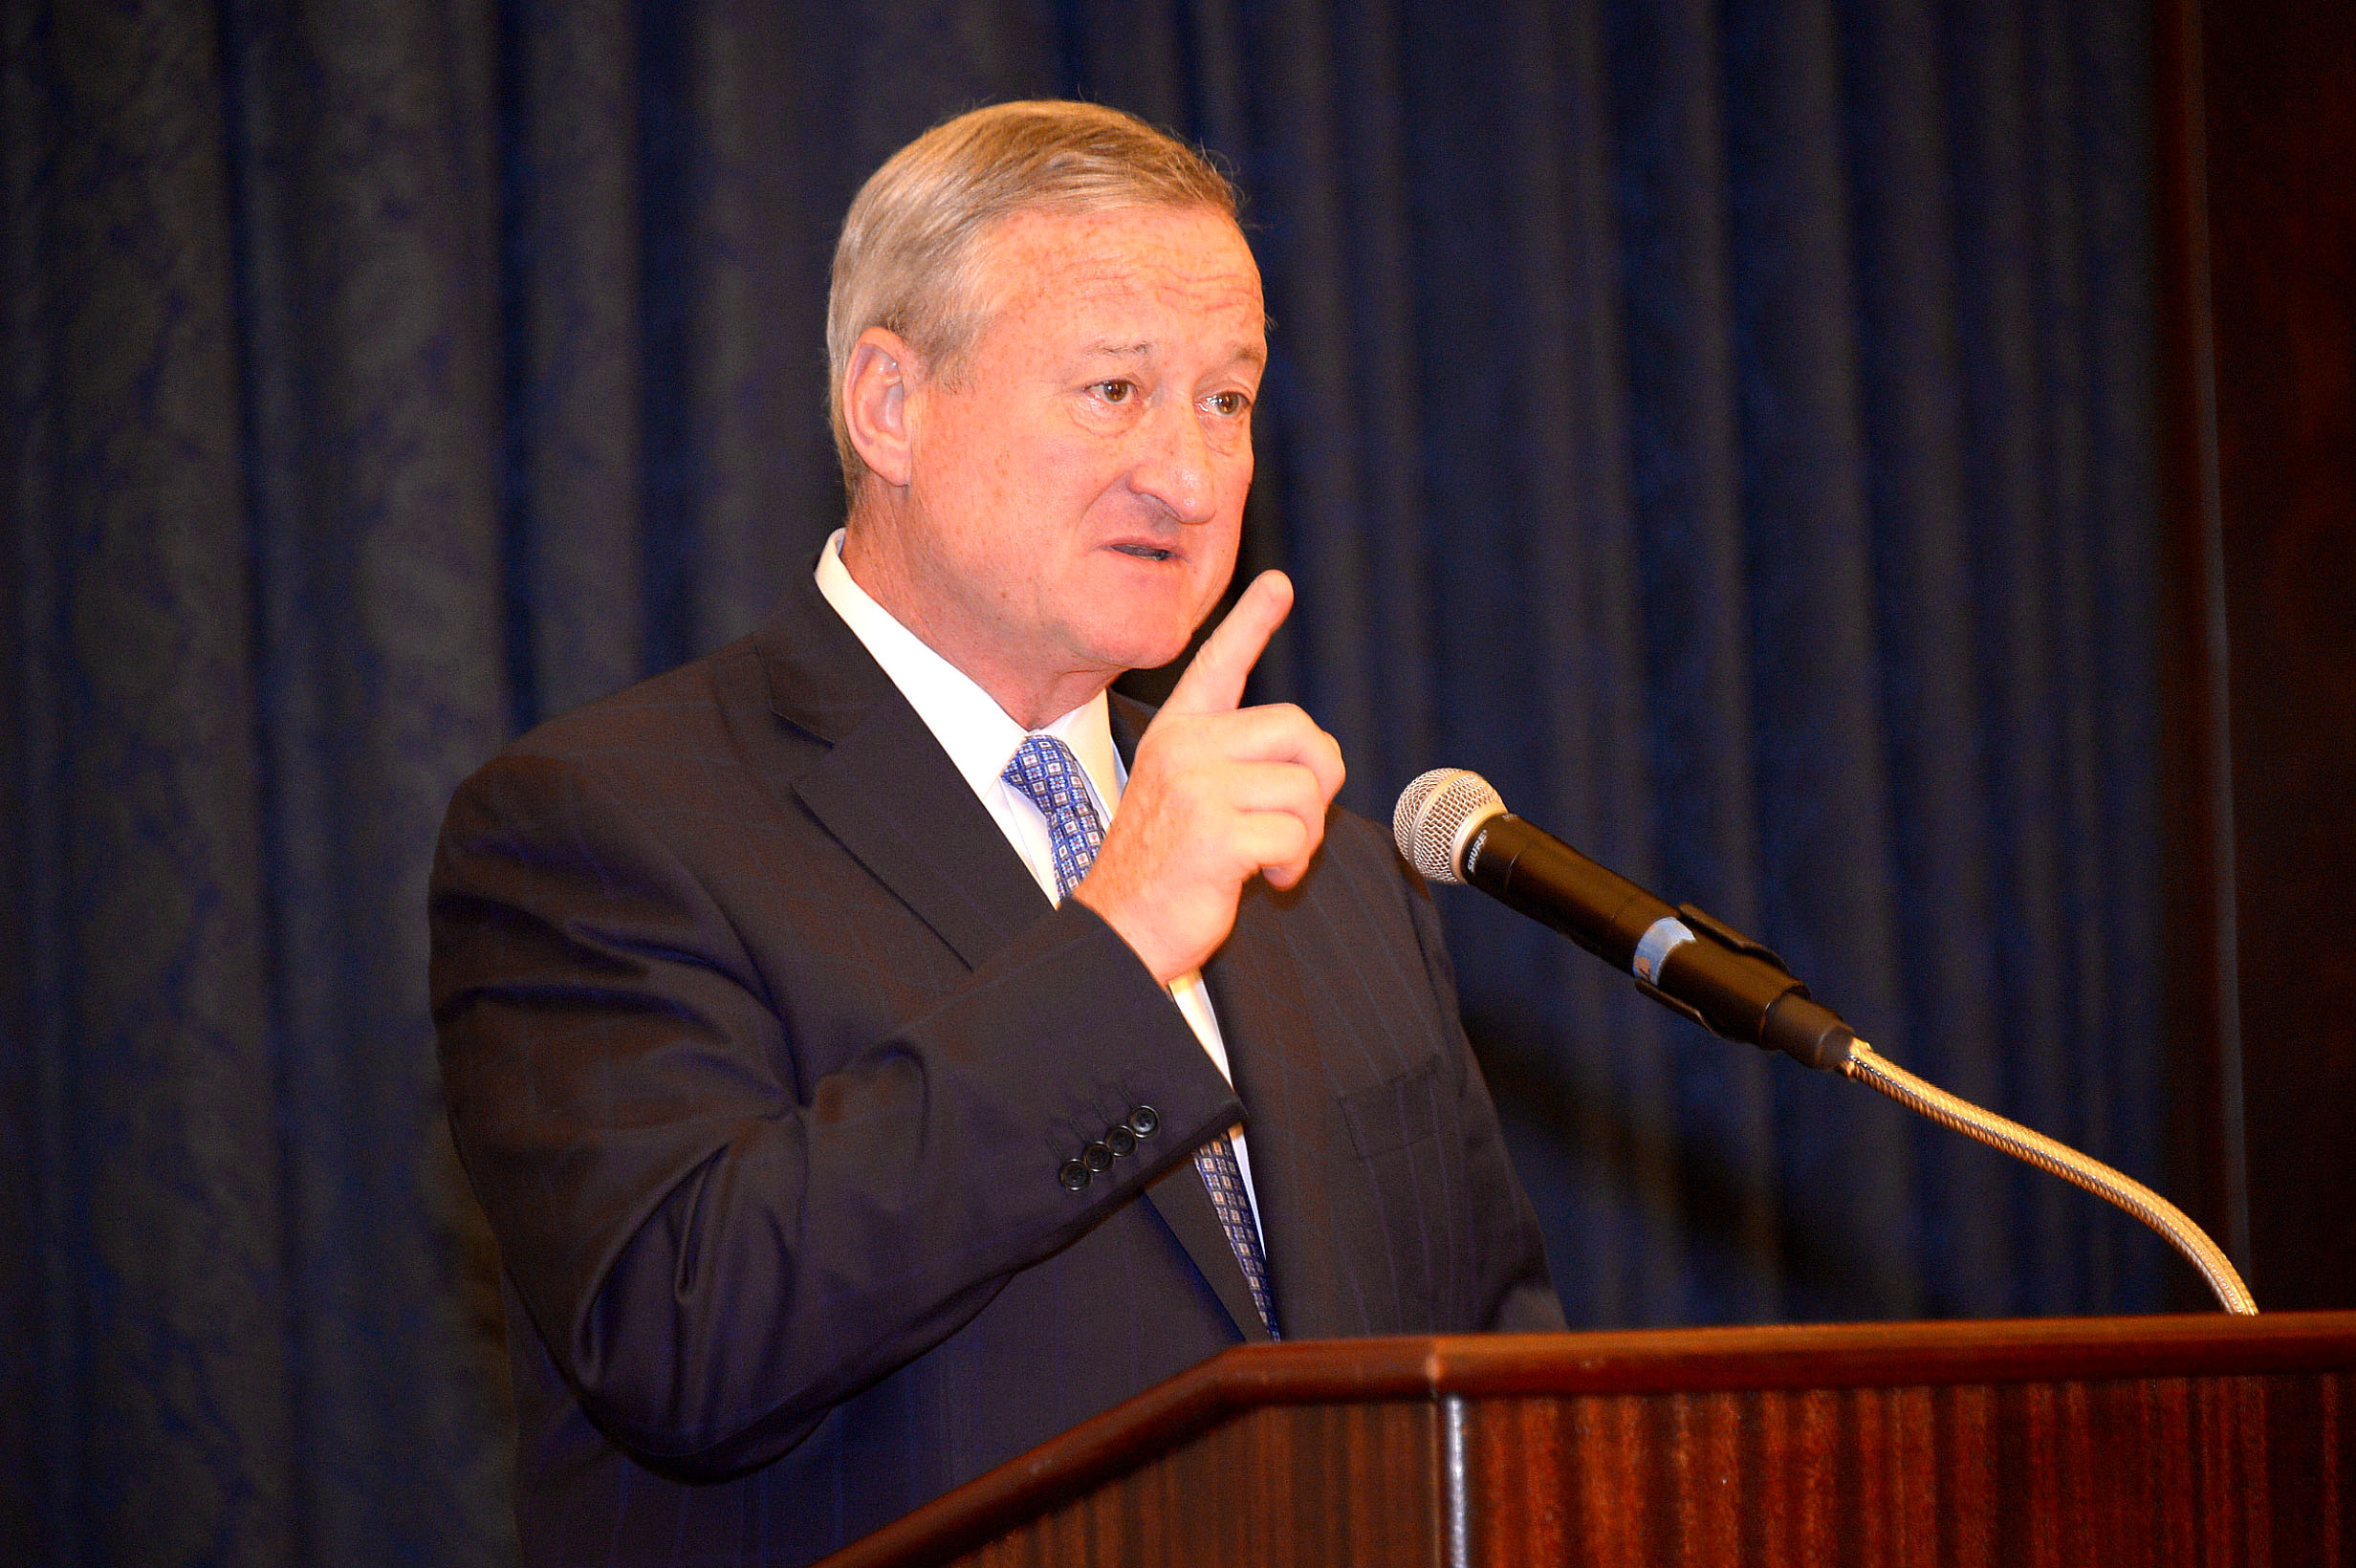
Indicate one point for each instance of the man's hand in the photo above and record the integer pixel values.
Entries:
(1218, 796)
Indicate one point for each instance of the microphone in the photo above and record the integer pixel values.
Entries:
(1452, 826)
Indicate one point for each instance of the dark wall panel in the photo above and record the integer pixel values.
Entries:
(2281, 135)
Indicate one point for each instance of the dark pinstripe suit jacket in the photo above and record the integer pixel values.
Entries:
(763, 1052)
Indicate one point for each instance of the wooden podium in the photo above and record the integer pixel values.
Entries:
(2075, 1442)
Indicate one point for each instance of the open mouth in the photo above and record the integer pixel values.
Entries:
(1145, 552)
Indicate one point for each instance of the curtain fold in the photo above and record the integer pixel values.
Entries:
(1727, 425)
(367, 224)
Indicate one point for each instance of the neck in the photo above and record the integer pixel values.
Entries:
(875, 552)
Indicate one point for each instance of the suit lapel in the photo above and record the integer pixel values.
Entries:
(1265, 1018)
(888, 793)
(1178, 1195)
(884, 788)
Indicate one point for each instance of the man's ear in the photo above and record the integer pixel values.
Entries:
(875, 402)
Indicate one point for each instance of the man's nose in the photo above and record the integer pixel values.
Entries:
(1175, 466)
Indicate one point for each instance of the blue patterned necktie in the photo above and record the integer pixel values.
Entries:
(1044, 769)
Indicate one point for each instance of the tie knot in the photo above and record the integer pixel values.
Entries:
(1044, 769)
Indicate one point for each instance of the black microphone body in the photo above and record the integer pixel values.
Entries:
(1452, 826)
(1681, 957)
(1553, 884)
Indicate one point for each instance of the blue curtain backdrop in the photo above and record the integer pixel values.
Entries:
(1728, 426)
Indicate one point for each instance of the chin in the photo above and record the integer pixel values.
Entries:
(1148, 632)
(1146, 639)
(1132, 652)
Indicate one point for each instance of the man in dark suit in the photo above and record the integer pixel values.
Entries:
(857, 1095)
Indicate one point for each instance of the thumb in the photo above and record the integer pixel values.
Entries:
(1214, 678)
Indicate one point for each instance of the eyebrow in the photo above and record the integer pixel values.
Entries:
(1247, 353)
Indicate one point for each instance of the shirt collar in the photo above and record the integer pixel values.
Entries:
(972, 728)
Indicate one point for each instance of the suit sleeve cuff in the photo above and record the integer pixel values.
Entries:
(1093, 1065)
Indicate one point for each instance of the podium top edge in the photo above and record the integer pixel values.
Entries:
(1696, 1361)
(1785, 1356)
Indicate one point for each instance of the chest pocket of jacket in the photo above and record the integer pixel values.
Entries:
(1405, 1134)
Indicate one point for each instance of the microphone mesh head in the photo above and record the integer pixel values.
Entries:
(1436, 815)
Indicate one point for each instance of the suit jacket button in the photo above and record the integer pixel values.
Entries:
(1097, 1157)
(1144, 1119)
(1074, 1175)
(1119, 1140)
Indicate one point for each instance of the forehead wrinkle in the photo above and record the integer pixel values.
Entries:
(1032, 267)
(1237, 353)
(1183, 294)
(1125, 293)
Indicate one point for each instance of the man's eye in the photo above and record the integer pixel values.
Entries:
(1116, 391)
(1228, 404)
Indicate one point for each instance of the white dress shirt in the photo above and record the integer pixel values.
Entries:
(980, 740)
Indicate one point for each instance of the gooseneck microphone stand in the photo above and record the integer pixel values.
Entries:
(1454, 827)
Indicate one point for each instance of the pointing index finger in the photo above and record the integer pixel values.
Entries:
(1214, 680)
